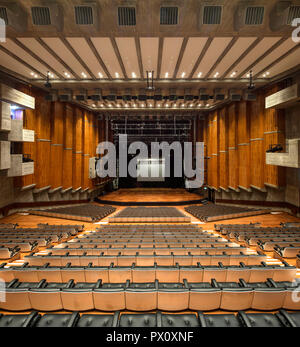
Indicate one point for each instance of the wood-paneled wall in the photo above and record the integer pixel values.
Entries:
(236, 138)
(66, 137)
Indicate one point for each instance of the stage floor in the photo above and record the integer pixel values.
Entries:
(151, 195)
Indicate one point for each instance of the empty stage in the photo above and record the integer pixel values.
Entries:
(149, 196)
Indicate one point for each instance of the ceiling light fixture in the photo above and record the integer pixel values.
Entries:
(166, 74)
(48, 84)
(133, 75)
(100, 75)
(251, 84)
(199, 74)
(150, 81)
(117, 75)
(182, 75)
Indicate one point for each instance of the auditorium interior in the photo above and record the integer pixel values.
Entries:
(206, 233)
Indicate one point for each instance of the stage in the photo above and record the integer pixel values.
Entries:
(150, 197)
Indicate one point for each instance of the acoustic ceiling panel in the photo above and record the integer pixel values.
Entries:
(80, 45)
(127, 49)
(170, 53)
(192, 52)
(149, 53)
(106, 51)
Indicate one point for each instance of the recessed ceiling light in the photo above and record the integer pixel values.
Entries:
(118, 105)
(174, 105)
(267, 73)
(167, 105)
(248, 75)
(117, 75)
(84, 74)
(109, 105)
(183, 74)
(133, 75)
(199, 74)
(233, 74)
(264, 75)
(216, 74)
(143, 105)
(94, 105)
(199, 105)
(150, 105)
(191, 105)
(182, 105)
(158, 105)
(126, 105)
(134, 105)
(166, 74)
(100, 75)
(101, 105)
(32, 73)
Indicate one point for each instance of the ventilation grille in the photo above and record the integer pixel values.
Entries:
(294, 12)
(3, 14)
(41, 15)
(254, 15)
(212, 14)
(169, 15)
(84, 15)
(126, 16)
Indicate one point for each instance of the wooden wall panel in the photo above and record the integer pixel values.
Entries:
(223, 149)
(274, 133)
(214, 149)
(67, 179)
(56, 152)
(77, 148)
(43, 138)
(243, 135)
(233, 164)
(257, 153)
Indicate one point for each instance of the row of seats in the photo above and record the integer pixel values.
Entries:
(149, 296)
(8, 225)
(212, 212)
(165, 320)
(220, 227)
(149, 228)
(85, 212)
(289, 251)
(284, 242)
(7, 252)
(14, 240)
(149, 214)
(243, 235)
(115, 274)
(126, 257)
